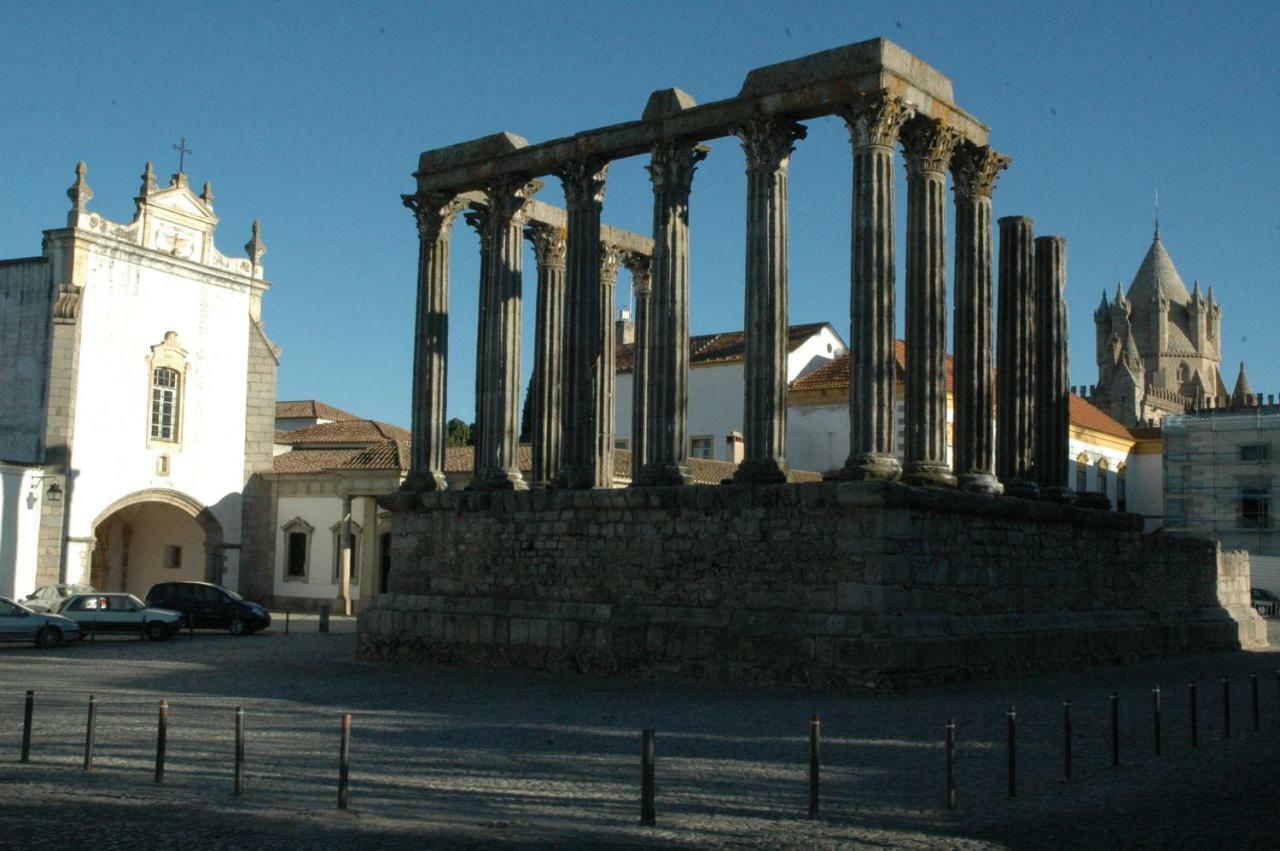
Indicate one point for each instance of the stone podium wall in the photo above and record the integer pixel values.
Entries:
(832, 584)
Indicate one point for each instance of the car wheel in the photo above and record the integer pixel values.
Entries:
(157, 631)
(48, 636)
(237, 626)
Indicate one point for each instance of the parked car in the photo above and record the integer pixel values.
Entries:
(18, 623)
(210, 606)
(47, 598)
(1267, 604)
(119, 614)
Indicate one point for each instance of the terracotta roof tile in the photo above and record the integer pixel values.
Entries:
(705, 471)
(461, 459)
(346, 431)
(391, 455)
(726, 347)
(311, 460)
(1085, 415)
(310, 409)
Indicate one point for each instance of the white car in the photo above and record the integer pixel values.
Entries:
(121, 614)
(18, 623)
(47, 598)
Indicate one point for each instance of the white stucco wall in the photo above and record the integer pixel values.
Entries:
(132, 297)
(814, 352)
(1145, 487)
(320, 512)
(20, 497)
(26, 311)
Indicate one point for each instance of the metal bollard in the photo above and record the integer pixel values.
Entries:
(239, 775)
(815, 735)
(1226, 708)
(1155, 719)
(191, 628)
(162, 738)
(344, 761)
(27, 711)
(1195, 724)
(1066, 740)
(1012, 716)
(1253, 688)
(951, 764)
(287, 613)
(1115, 730)
(324, 618)
(89, 731)
(647, 814)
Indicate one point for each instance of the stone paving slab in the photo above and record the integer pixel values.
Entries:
(473, 758)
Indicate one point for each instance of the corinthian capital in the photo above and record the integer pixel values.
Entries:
(875, 119)
(550, 244)
(927, 145)
(434, 212)
(508, 195)
(478, 219)
(610, 259)
(975, 169)
(584, 181)
(640, 266)
(673, 163)
(769, 142)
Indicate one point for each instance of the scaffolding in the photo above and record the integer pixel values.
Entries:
(1219, 469)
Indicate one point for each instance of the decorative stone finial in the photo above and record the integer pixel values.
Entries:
(207, 195)
(148, 181)
(80, 193)
(255, 247)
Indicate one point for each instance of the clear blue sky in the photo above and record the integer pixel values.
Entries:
(311, 117)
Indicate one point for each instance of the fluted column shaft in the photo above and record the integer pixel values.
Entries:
(549, 246)
(498, 402)
(1016, 357)
(973, 455)
(873, 123)
(435, 215)
(768, 144)
(928, 147)
(671, 169)
(1052, 414)
(478, 220)
(638, 265)
(584, 186)
(610, 258)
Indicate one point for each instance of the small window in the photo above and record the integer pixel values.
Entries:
(1255, 508)
(700, 447)
(1121, 496)
(162, 464)
(621, 443)
(1255, 452)
(173, 557)
(1082, 474)
(297, 564)
(165, 390)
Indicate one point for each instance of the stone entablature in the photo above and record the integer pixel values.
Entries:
(833, 584)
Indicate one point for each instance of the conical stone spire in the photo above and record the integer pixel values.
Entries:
(148, 181)
(255, 247)
(1243, 393)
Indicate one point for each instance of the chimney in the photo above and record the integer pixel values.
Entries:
(625, 332)
(737, 447)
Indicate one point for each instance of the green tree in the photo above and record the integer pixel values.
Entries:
(459, 433)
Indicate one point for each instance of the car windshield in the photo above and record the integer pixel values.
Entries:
(232, 594)
(137, 604)
(68, 590)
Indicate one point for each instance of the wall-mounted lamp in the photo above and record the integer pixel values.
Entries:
(53, 493)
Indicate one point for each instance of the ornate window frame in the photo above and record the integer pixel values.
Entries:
(297, 526)
(167, 355)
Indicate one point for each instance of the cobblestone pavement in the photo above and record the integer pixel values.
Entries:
(454, 758)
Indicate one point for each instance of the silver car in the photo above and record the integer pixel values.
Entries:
(47, 598)
(18, 623)
(121, 614)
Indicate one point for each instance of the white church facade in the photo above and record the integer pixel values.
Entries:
(137, 391)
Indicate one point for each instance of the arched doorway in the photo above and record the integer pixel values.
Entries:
(154, 536)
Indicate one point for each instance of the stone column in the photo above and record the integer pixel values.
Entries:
(1052, 403)
(344, 570)
(974, 171)
(584, 185)
(478, 220)
(927, 146)
(367, 571)
(638, 265)
(498, 405)
(873, 123)
(768, 144)
(549, 246)
(610, 258)
(671, 169)
(1016, 358)
(435, 215)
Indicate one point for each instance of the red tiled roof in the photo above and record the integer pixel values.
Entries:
(310, 409)
(346, 431)
(1086, 415)
(705, 471)
(312, 460)
(391, 455)
(725, 347)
